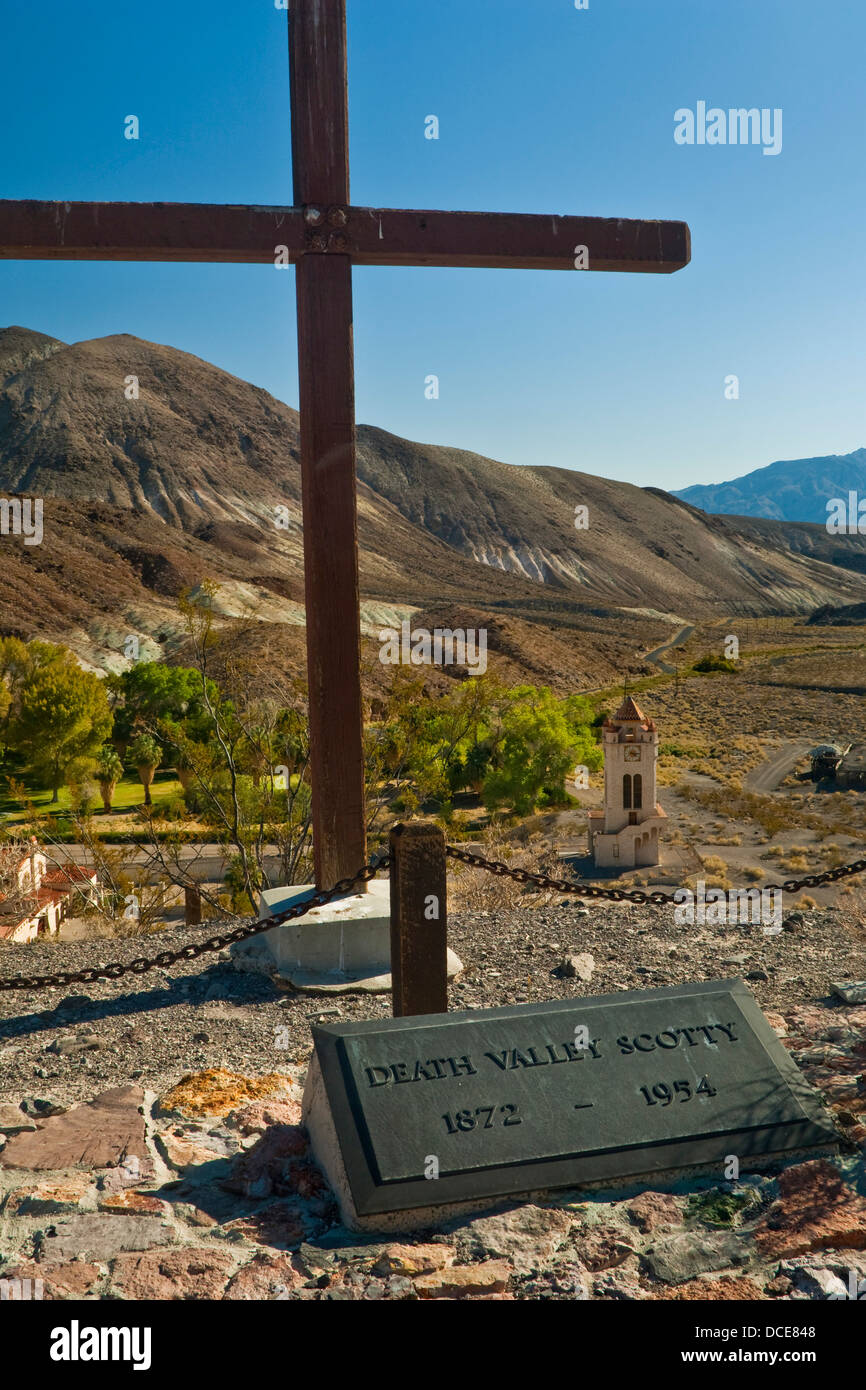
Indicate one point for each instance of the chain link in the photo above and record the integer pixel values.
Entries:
(140, 966)
(624, 895)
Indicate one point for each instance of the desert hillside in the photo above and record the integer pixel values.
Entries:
(198, 478)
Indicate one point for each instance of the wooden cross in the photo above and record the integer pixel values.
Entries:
(323, 236)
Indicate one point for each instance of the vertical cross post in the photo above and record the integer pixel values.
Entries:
(419, 920)
(320, 154)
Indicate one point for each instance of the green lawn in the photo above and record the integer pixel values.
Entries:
(128, 796)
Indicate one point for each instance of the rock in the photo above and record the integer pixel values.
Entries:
(201, 1037)
(261, 1170)
(281, 1224)
(218, 1092)
(67, 1281)
(757, 974)
(779, 1287)
(51, 1197)
(816, 1209)
(413, 1259)
(817, 1283)
(40, 1107)
(71, 1047)
(602, 1247)
(400, 1288)
(464, 1281)
(105, 1132)
(652, 1211)
(725, 1289)
(253, 1119)
(13, 1120)
(266, 1276)
(577, 967)
(527, 1236)
(850, 992)
(182, 1152)
(678, 1258)
(73, 1003)
(141, 1203)
(776, 1022)
(100, 1237)
(127, 1174)
(191, 1274)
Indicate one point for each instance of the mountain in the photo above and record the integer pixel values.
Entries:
(788, 490)
(198, 478)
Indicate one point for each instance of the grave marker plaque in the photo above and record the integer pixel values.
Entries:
(603, 1090)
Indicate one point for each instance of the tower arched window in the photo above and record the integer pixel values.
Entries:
(637, 794)
(626, 792)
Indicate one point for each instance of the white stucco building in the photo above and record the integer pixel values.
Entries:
(41, 898)
(625, 833)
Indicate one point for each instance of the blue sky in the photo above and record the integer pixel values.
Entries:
(542, 108)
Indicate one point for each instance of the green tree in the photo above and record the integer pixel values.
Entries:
(19, 662)
(538, 743)
(109, 770)
(63, 717)
(145, 755)
(152, 694)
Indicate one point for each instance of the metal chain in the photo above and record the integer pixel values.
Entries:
(140, 965)
(619, 895)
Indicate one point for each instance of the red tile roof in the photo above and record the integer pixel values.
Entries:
(629, 711)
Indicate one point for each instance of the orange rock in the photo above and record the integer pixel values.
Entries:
(218, 1092)
(413, 1259)
(726, 1289)
(173, 1274)
(73, 1280)
(652, 1210)
(133, 1201)
(816, 1210)
(465, 1281)
(267, 1276)
(51, 1196)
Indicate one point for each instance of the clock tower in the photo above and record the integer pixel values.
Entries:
(625, 834)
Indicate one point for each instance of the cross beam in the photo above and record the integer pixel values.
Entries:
(323, 236)
(370, 236)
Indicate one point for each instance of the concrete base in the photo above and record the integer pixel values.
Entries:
(342, 948)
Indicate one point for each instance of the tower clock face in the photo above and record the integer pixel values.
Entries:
(632, 755)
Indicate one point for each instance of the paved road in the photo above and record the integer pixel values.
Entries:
(768, 776)
(657, 654)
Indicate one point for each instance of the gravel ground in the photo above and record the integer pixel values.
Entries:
(74, 1041)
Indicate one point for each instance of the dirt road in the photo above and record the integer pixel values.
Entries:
(770, 774)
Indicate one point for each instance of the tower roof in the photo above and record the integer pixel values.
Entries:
(629, 712)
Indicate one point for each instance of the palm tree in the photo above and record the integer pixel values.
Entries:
(109, 770)
(145, 754)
